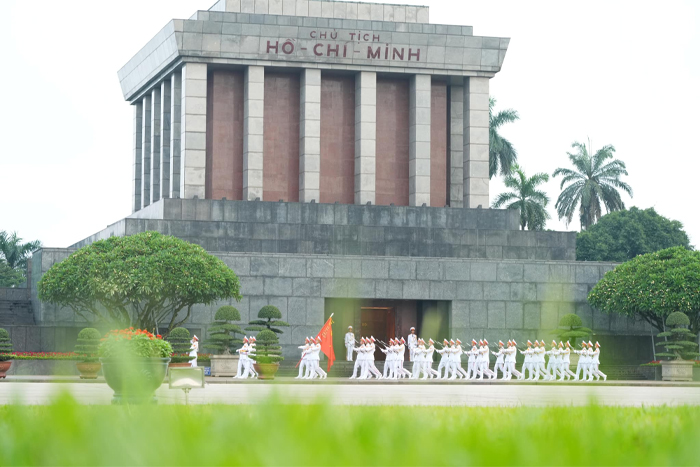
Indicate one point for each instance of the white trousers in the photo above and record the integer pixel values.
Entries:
(349, 352)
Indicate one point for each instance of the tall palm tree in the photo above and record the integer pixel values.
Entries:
(593, 181)
(502, 154)
(526, 197)
(14, 252)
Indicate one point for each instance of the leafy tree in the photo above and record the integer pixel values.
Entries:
(10, 277)
(571, 328)
(269, 318)
(592, 182)
(502, 154)
(620, 236)
(179, 339)
(88, 342)
(222, 334)
(525, 196)
(5, 345)
(14, 252)
(141, 281)
(267, 347)
(653, 286)
(681, 345)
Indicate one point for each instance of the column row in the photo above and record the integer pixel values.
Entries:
(173, 138)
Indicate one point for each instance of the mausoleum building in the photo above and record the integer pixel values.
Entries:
(336, 156)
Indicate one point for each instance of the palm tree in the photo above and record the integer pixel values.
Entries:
(14, 252)
(526, 197)
(502, 154)
(592, 181)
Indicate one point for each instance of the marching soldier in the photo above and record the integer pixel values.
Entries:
(500, 361)
(444, 359)
(302, 365)
(349, 343)
(595, 361)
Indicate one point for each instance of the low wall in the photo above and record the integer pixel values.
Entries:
(44, 367)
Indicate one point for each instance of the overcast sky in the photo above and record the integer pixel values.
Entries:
(620, 73)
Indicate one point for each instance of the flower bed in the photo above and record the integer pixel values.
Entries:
(204, 359)
(42, 356)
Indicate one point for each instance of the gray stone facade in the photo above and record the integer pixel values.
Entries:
(312, 228)
(495, 299)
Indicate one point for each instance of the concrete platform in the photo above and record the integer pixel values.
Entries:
(344, 392)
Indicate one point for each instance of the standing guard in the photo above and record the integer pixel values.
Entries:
(412, 344)
(349, 343)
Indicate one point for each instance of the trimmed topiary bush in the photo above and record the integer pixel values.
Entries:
(5, 345)
(179, 339)
(267, 349)
(222, 333)
(87, 344)
(680, 345)
(571, 328)
(269, 318)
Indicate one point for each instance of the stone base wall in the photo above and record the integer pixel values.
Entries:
(492, 299)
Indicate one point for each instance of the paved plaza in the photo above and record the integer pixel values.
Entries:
(343, 392)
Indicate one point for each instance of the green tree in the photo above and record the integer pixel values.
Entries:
(222, 334)
(526, 197)
(592, 182)
(652, 286)
(680, 345)
(502, 154)
(142, 280)
(10, 277)
(267, 347)
(620, 236)
(571, 328)
(269, 317)
(87, 344)
(14, 252)
(179, 339)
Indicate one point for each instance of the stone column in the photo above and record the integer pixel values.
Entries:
(155, 144)
(193, 130)
(456, 147)
(138, 131)
(476, 142)
(365, 137)
(175, 130)
(146, 152)
(310, 136)
(165, 126)
(253, 113)
(419, 141)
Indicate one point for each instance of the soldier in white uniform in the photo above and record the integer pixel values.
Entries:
(500, 360)
(403, 372)
(582, 362)
(316, 358)
(370, 359)
(565, 349)
(194, 349)
(428, 371)
(358, 361)
(349, 343)
(444, 359)
(412, 344)
(251, 353)
(303, 362)
(457, 351)
(511, 360)
(418, 357)
(552, 364)
(242, 352)
(528, 362)
(388, 351)
(471, 360)
(486, 361)
(595, 362)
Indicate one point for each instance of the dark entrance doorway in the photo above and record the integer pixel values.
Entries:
(378, 322)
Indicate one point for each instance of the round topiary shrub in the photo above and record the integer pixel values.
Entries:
(571, 328)
(87, 344)
(180, 340)
(678, 340)
(269, 318)
(677, 319)
(222, 333)
(227, 313)
(267, 349)
(5, 346)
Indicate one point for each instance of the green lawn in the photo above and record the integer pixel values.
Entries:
(68, 434)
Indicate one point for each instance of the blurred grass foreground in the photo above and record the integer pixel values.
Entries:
(66, 433)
